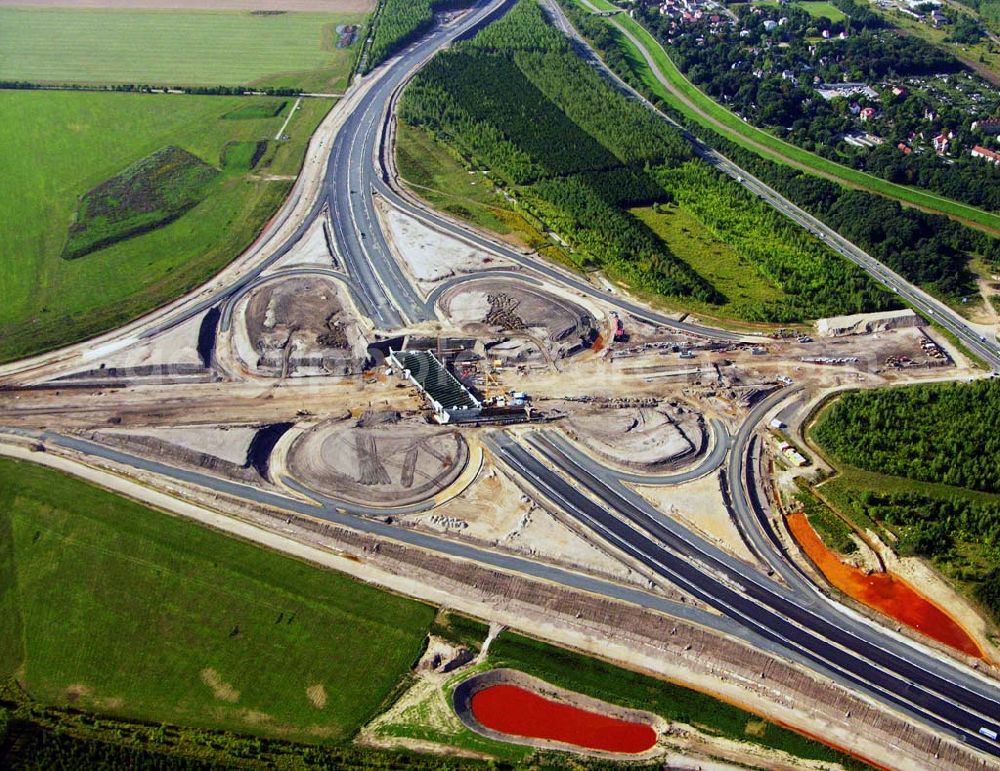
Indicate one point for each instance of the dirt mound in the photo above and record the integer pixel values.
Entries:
(392, 464)
(299, 326)
(640, 437)
(531, 316)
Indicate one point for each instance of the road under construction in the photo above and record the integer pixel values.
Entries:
(347, 446)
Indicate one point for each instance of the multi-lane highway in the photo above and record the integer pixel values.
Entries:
(924, 686)
(792, 619)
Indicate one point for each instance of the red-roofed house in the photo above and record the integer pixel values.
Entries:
(989, 155)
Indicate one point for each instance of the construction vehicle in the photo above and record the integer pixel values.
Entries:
(620, 336)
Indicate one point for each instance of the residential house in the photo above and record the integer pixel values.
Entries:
(990, 126)
(990, 155)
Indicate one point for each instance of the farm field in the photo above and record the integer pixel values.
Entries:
(113, 607)
(87, 138)
(175, 47)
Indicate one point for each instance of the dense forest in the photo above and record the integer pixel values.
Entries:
(946, 433)
(577, 154)
(400, 22)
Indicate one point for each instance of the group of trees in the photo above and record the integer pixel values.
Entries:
(518, 100)
(789, 258)
(578, 154)
(400, 22)
(928, 249)
(744, 67)
(936, 527)
(932, 433)
(931, 250)
(988, 10)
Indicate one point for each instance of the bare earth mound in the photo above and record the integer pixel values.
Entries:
(391, 465)
(300, 326)
(651, 437)
(523, 312)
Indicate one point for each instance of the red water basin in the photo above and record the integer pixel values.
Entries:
(883, 591)
(517, 711)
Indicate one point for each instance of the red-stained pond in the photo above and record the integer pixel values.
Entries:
(883, 591)
(517, 711)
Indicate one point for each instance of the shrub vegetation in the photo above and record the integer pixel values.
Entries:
(151, 192)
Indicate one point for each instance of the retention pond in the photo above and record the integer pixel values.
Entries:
(511, 706)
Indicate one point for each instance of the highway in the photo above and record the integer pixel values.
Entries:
(925, 686)
(753, 608)
(793, 619)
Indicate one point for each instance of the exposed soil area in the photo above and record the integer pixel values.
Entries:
(883, 591)
(429, 255)
(387, 465)
(532, 317)
(652, 437)
(299, 326)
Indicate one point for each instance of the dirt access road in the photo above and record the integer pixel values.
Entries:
(337, 6)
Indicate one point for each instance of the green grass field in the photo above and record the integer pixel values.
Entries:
(815, 8)
(167, 47)
(711, 257)
(767, 145)
(109, 606)
(62, 145)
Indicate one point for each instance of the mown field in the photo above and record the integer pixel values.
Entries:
(578, 159)
(64, 144)
(111, 607)
(815, 8)
(175, 47)
(921, 465)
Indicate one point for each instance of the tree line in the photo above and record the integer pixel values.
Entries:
(400, 22)
(937, 259)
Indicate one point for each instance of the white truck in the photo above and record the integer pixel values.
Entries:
(989, 733)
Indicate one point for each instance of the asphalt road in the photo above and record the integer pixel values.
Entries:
(926, 687)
